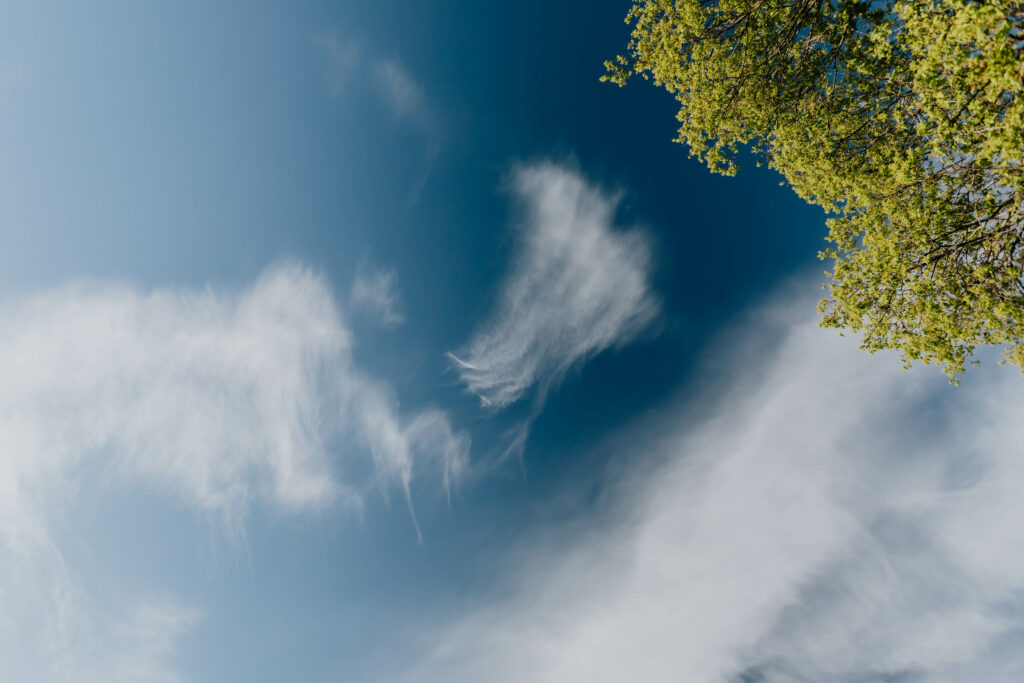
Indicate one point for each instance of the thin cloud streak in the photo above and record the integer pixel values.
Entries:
(375, 293)
(218, 398)
(578, 286)
(408, 102)
(343, 59)
(836, 519)
(403, 95)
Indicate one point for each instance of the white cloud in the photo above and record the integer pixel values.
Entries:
(375, 292)
(835, 519)
(219, 398)
(578, 286)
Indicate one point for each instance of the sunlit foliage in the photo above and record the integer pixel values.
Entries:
(903, 119)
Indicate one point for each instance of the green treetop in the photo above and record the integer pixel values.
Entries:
(903, 119)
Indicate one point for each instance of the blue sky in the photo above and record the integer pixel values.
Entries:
(382, 342)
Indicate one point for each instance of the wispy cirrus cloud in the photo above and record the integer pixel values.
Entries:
(408, 102)
(578, 286)
(395, 85)
(375, 293)
(835, 519)
(402, 93)
(342, 60)
(141, 645)
(219, 398)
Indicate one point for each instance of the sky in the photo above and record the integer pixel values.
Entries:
(381, 342)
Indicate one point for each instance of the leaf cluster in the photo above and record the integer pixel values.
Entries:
(903, 119)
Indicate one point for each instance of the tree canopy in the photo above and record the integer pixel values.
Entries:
(903, 119)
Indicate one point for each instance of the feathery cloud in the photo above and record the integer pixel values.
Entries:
(578, 286)
(375, 292)
(395, 86)
(408, 102)
(218, 398)
(837, 519)
(343, 59)
(402, 93)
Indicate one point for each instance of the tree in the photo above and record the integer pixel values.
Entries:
(903, 119)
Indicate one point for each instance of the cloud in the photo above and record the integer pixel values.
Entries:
(343, 58)
(375, 292)
(396, 87)
(140, 646)
(402, 93)
(408, 102)
(833, 519)
(217, 398)
(578, 286)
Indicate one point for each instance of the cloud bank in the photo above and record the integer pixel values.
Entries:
(835, 519)
(217, 398)
(578, 286)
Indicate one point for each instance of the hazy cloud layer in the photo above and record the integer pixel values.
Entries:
(837, 519)
(578, 286)
(218, 398)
